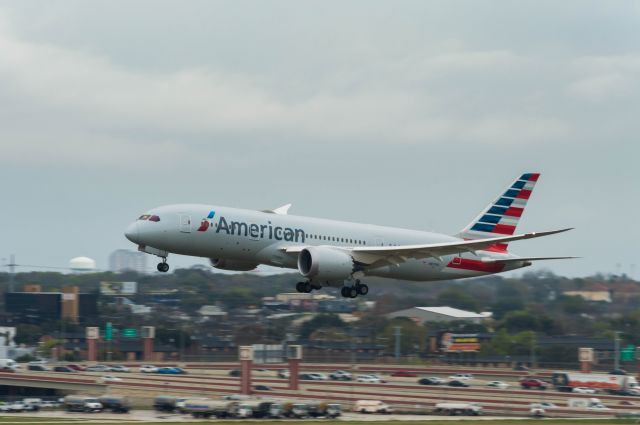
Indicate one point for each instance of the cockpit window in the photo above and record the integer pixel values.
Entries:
(144, 217)
(154, 218)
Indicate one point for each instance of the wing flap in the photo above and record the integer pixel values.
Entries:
(513, 260)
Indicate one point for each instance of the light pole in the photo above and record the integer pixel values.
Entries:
(616, 349)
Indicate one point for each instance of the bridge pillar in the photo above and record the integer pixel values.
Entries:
(294, 356)
(148, 334)
(585, 355)
(246, 362)
(92, 334)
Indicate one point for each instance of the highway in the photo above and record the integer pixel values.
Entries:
(402, 393)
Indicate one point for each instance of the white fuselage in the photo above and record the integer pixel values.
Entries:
(255, 237)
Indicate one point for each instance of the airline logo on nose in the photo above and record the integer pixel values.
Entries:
(206, 222)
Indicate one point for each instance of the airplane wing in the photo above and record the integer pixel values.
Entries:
(400, 254)
(512, 260)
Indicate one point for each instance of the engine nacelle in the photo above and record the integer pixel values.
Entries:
(325, 264)
(235, 265)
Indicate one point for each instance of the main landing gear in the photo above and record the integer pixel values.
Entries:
(163, 267)
(304, 287)
(354, 290)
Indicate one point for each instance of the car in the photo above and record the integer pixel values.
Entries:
(168, 370)
(233, 372)
(498, 384)
(63, 369)
(313, 376)
(76, 367)
(283, 373)
(7, 369)
(148, 368)
(529, 383)
(430, 381)
(457, 383)
(404, 374)
(618, 372)
(521, 367)
(98, 368)
(262, 388)
(341, 375)
(38, 367)
(180, 371)
(48, 405)
(548, 405)
(583, 390)
(108, 378)
(369, 379)
(461, 376)
(119, 368)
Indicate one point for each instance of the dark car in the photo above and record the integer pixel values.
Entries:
(521, 368)
(263, 388)
(618, 372)
(456, 383)
(404, 374)
(37, 367)
(234, 372)
(429, 381)
(529, 383)
(63, 369)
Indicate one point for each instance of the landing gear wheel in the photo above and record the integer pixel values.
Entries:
(163, 267)
(300, 286)
(362, 289)
(345, 291)
(353, 292)
(307, 288)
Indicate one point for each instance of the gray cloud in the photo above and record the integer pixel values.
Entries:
(414, 114)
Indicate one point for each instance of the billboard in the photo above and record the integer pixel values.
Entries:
(118, 288)
(453, 343)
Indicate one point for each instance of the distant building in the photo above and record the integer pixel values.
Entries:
(594, 296)
(212, 311)
(37, 307)
(122, 260)
(440, 314)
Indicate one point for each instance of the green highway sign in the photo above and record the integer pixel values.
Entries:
(108, 332)
(129, 333)
(628, 353)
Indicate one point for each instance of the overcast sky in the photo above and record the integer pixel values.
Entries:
(405, 113)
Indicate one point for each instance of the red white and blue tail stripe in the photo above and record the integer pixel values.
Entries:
(501, 217)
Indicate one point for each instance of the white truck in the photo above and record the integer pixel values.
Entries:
(614, 384)
(586, 403)
(8, 364)
(372, 406)
(206, 408)
(454, 409)
(82, 403)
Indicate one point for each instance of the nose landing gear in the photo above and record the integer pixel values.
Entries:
(304, 287)
(163, 267)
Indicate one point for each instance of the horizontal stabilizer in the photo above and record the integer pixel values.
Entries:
(513, 260)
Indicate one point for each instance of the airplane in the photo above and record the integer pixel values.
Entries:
(339, 254)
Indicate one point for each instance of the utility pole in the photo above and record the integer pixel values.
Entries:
(12, 270)
(533, 351)
(616, 349)
(398, 337)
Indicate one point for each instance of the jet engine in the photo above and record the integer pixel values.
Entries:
(325, 264)
(235, 265)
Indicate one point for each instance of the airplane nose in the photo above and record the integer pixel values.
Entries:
(132, 232)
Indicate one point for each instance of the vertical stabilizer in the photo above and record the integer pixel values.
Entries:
(501, 217)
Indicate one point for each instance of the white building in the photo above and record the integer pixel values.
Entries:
(122, 260)
(440, 314)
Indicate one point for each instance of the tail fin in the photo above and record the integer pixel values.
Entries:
(502, 215)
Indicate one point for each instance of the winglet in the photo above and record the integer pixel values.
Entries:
(280, 210)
